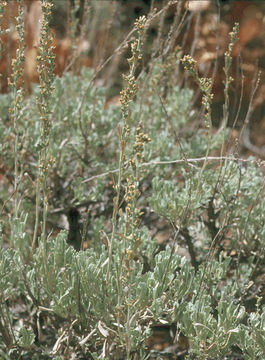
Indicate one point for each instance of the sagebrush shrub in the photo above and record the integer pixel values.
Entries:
(130, 171)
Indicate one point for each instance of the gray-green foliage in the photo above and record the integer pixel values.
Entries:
(213, 208)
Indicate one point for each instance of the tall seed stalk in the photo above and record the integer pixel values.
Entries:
(45, 67)
(127, 96)
(16, 84)
(3, 5)
(205, 85)
(129, 174)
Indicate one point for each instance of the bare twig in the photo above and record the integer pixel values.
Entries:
(177, 161)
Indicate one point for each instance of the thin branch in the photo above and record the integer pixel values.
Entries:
(177, 161)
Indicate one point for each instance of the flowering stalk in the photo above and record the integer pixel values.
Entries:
(3, 5)
(45, 61)
(228, 78)
(205, 84)
(130, 166)
(127, 96)
(16, 84)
